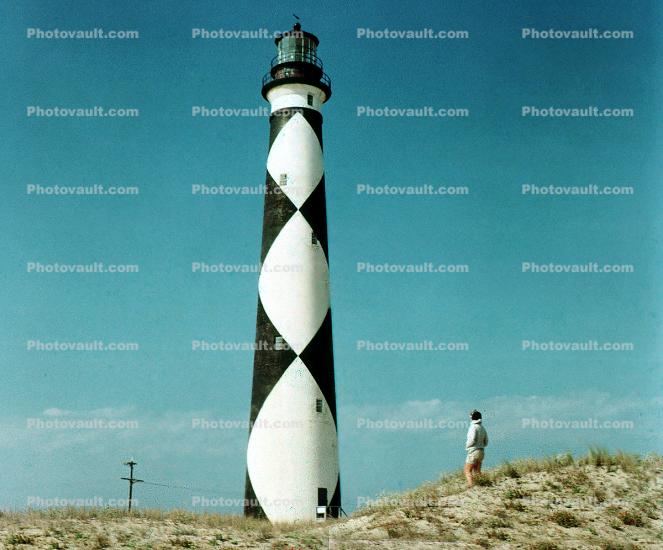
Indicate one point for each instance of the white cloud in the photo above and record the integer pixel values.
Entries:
(56, 412)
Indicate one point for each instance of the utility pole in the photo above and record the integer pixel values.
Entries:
(131, 479)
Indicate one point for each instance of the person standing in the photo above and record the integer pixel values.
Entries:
(477, 441)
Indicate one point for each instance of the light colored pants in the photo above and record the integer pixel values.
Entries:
(474, 456)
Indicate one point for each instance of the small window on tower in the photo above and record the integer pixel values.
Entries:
(318, 405)
(309, 99)
(314, 239)
(283, 180)
(278, 343)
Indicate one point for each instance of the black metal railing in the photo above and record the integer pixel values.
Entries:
(287, 72)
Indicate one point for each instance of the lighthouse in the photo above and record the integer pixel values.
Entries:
(292, 454)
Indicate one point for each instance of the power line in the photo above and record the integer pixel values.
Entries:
(132, 480)
(176, 486)
(183, 487)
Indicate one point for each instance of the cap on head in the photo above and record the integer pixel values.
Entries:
(476, 415)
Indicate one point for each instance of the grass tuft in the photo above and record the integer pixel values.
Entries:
(565, 519)
(543, 545)
(509, 470)
(483, 480)
(515, 493)
(599, 457)
(631, 517)
(15, 539)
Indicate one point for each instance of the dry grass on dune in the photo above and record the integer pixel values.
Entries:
(73, 528)
(601, 501)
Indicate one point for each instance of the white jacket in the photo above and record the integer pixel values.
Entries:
(477, 436)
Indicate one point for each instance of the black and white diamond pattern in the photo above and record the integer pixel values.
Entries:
(293, 448)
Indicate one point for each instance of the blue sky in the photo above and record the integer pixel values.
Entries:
(165, 228)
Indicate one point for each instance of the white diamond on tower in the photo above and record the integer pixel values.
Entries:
(297, 155)
(293, 284)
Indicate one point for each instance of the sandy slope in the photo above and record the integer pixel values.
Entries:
(534, 505)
